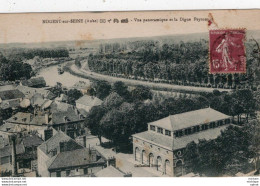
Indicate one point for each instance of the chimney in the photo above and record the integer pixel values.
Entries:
(14, 163)
(84, 141)
(48, 133)
(46, 118)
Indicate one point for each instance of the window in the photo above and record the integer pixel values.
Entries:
(227, 121)
(160, 130)
(152, 127)
(204, 127)
(67, 172)
(196, 129)
(85, 171)
(58, 174)
(220, 123)
(178, 133)
(187, 131)
(212, 125)
(167, 133)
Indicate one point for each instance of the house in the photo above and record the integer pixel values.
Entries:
(29, 92)
(67, 119)
(162, 146)
(26, 153)
(87, 102)
(37, 82)
(10, 98)
(82, 86)
(111, 171)
(61, 156)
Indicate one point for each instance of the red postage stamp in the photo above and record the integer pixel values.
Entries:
(227, 51)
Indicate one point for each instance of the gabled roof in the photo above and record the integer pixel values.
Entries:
(7, 151)
(54, 142)
(7, 87)
(20, 117)
(181, 142)
(89, 101)
(63, 117)
(110, 171)
(73, 158)
(34, 82)
(29, 91)
(32, 141)
(189, 119)
(11, 94)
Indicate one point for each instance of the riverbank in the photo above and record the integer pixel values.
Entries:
(72, 69)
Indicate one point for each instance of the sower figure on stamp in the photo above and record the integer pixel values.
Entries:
(223, 48)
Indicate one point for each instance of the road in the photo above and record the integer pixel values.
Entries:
(86, 73)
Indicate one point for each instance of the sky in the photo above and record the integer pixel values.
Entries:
(28, 28)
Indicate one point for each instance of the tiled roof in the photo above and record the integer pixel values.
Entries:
(29, 91)
(63, 117)
(89, 101)
(7, 87)
(53, 142)
(189, 119)
(110, 171)
(11, 94)
(32, 140)
(7, 151)
(34, 82)
(181, 142)
(72, 158)
(20, 117)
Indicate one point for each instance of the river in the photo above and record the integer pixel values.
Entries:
(51, 76)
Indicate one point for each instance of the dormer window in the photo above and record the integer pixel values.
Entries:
(152, 127)
(160, 130)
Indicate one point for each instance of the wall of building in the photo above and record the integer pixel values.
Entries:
(151, 154)
(42, 159)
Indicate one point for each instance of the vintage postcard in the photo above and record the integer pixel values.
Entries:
(130, 94)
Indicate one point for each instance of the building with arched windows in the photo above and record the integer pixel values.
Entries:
(162, 146)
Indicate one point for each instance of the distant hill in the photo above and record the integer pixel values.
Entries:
(95, 43)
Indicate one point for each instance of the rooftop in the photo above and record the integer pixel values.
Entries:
(34, 82)
(32, 141)
(73, 158)
(89, 101)
(11, 94)
(179, 143)
(189, 119)
(7, 150)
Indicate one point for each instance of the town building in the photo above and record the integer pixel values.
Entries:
(86, 102)
(162, 146)
(61, 156)
(111, 171)
(10, 98)
(29, 92)
(37, 82)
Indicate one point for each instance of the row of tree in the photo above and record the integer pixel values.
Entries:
(183, 63)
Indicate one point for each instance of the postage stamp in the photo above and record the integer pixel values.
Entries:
(227, 51)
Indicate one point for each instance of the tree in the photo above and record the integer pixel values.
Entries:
(92, 121)
(113, 100)
(102, 89)
(121, 89)
(141, 93)
(73, 95)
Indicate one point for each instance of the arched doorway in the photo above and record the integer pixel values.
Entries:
(168, 167)
(159, 164)
(178, 168)
(151, 159)
(137, 154)
(144, 157)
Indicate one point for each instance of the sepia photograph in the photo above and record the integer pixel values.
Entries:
(130, 94)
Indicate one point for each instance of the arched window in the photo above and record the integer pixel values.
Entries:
(178, 169)
(159, 164)
(151, 159)
(137, 154)
(144, 157)
(167, 167)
